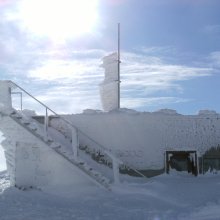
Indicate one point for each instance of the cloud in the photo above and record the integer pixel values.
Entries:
(116, 2)
(152, 101)
(67, 79)
(57, 72)
(152, 74)
(71, 83)
(215, 59)
(158, 50)
(19, 52)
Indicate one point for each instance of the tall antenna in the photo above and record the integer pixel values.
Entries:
(119, 81)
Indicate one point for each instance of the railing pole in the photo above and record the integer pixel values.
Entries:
(46, 125)
(21, 102)
(115, 165)
(75, 143)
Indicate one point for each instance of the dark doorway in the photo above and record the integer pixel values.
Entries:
(210, 161)
(182, 161)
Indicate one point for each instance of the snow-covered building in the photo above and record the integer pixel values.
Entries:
(148, 141)
(97, 148)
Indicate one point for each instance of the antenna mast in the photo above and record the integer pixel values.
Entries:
(119, 81)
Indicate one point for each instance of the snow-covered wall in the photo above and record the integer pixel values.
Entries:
(141, 139)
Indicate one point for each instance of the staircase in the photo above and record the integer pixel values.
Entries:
(67, 149)
(64, 151)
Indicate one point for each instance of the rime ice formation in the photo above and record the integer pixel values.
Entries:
(5, 96)
(109, 87)
(141, 138)
(38, 155)
(30, 162)
(94, 146)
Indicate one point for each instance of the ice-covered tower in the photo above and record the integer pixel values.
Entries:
(109, 89)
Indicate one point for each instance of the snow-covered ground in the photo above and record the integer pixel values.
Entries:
(165, 197)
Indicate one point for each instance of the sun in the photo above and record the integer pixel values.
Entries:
(59, 19)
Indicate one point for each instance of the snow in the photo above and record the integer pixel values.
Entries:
(167, 111)
(2, 155)
(91, 111)
(178, 196)
(140, 139)
(207, 112)
(32, 163)
(173, 197)
(109, 87)
(5, 96)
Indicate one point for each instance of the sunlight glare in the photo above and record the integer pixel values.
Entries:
(59, 19)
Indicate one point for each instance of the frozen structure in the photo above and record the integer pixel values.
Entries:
(109, 87)
(147, 141)
(97, 148)
(5, 93)
(38, 155)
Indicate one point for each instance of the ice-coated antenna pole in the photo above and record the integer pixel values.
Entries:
(119, 81)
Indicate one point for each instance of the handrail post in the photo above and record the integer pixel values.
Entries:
(75, 143)
(115, 165)
(21, 101)
(46, 125)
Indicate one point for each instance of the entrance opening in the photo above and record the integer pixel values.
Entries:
(182, 161)
(210, 161)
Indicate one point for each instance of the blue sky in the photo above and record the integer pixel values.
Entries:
(170, 52)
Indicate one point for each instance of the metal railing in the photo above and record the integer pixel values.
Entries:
(76, 131)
